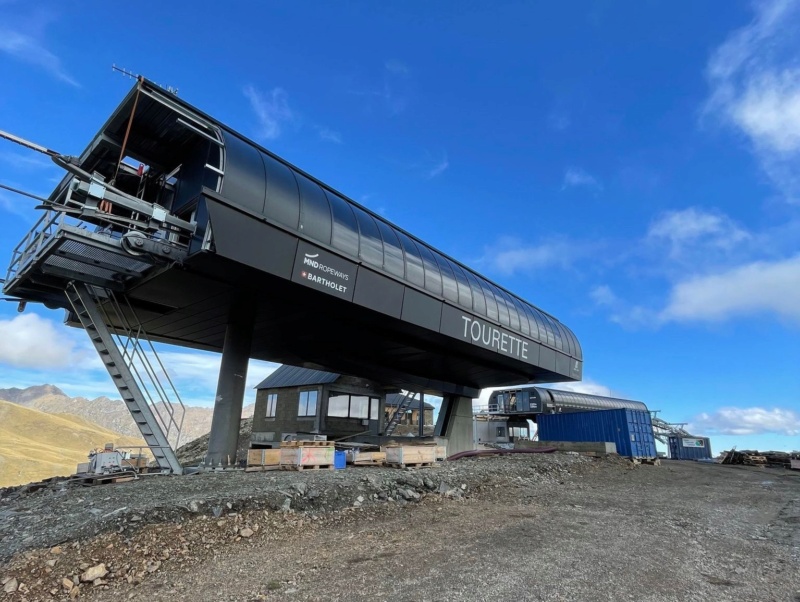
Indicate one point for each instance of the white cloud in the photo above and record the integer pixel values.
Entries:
(272, 110)
(18, 206)
(754, 81)
(329, 135)
(30, 341)
(559, 121)
(397, 67)
(747, 421)
(603, 295)
(693, 229)
(30, 50)
(510, 255)
(758, 287)
(577, 177)
(439, 168)
(587, 386)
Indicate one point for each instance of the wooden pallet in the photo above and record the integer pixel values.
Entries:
(411, 465)
(650, 461)
(106, 480)
(369, 463)
(263, 468)
(299, 467)
(306, 443)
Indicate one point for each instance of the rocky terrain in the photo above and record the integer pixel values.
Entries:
(543, 527)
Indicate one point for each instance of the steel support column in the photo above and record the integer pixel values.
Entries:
(224, 437)
(455, 423)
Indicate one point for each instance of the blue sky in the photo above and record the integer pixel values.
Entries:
(632, 168)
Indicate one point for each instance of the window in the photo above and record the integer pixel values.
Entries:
(501, 431)
(341, 405)
(272, 401)
(308, 404)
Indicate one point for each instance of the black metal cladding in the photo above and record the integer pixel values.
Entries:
(265, 185)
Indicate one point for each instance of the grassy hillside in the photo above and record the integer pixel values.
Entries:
(36, 445)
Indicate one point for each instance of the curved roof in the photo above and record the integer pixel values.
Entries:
(569, 400)
(266, 184)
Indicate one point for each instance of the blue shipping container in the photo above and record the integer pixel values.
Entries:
(689, 448)
(630, 430)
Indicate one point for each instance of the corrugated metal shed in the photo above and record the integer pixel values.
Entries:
(293, 376)
(630, 430)
(689, 448)
(393, 400)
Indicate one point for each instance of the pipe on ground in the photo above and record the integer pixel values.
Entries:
(479, 453)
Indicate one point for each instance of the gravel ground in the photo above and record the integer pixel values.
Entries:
(556, 527)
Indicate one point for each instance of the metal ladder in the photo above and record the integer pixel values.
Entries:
(123, 355)
(404, 404)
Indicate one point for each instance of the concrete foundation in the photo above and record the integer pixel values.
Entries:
(576, 446)
(455, 423)
(224, 436)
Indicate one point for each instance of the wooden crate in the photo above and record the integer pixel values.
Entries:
(369, 458)
(263, 457)
(306, 456)
(406, 455)
(441, 453)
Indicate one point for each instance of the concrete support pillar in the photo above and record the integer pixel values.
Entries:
(224, 438)
(455, 423)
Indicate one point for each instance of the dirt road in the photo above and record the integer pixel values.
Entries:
(596, 530)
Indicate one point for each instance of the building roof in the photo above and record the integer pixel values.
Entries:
(393, 400)
(294, 376)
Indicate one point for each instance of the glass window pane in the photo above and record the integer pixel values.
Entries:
(414, 271)
(531, 321)
(315, 212)
(539, 317)
(548, 327)
(338, 405)
(513, 316)
(491, 304)
(371, 247)
(449, 286)
(522, 316)
(565, 338)
(345, 230)
(374, 406)
(359, 406)
(502, 309)
(283, 199)
(311, 408)
(393, 261)
(301, 406)
(478, 298)
(464, 290)
(433, 278)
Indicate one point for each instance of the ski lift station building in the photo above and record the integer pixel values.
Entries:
(215, 243)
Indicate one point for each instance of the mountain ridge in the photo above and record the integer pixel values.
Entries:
(111, 414)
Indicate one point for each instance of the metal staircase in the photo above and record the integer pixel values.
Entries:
(404, 405)
(149, 394)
